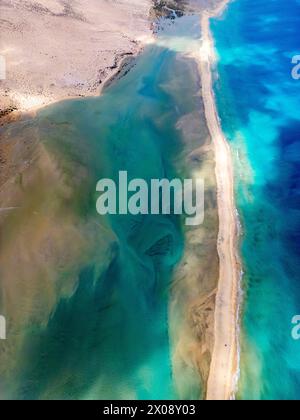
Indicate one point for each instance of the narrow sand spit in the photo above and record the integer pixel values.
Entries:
(224, 365)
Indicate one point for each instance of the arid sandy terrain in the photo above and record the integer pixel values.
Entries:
(59, 48)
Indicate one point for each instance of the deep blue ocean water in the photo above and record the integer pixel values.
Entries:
(259, 105)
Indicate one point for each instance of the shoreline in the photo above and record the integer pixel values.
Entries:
(54, 53)
(135, 29)
(124, 65)
(224, 368)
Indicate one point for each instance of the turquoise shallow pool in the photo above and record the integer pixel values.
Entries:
(259, 102)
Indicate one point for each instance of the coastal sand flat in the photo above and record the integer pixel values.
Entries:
(56, 49)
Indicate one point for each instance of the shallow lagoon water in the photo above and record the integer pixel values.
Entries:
(87, 297)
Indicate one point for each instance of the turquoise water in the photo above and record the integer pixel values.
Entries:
(114, 328)
(107, 337)
(259, 103)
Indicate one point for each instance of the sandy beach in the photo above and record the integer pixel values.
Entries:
(58, 49)
(224, 364)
